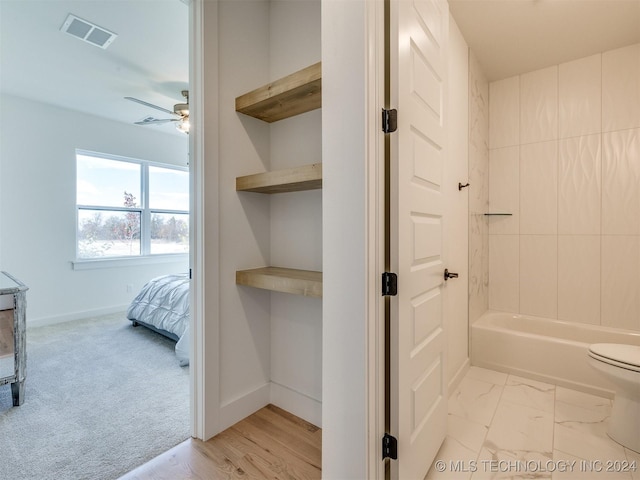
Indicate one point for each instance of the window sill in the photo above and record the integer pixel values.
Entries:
(129, 261)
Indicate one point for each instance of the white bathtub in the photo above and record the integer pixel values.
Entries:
(551, 351)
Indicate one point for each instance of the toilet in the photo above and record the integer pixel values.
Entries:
(621, 365)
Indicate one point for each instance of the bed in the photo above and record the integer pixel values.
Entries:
(163, 306)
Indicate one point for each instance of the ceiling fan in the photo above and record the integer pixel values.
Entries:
(180, 112)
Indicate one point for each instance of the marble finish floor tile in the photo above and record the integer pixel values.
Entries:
(569, 467)
(634, 459)
(530, 393)
(459, 450)
(582, 432)
(475, 400)
(584, 400)
(513, 465)
(509, 427)
(517, 428)
(486, 375)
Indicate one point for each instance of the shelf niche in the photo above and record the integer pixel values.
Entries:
(292, 95)
(296, 179)
(287, 280)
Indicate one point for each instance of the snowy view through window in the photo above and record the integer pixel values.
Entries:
(130, 207)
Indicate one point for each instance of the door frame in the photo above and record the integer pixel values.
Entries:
(375, 61)
(205, 404)
(204, 368)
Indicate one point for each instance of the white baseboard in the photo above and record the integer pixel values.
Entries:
(68, 317)
(299, 404)
(459, 375)
(235, 410)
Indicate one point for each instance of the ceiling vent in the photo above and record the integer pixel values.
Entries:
(88, 32)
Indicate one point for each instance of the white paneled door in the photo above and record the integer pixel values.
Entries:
(418, 71)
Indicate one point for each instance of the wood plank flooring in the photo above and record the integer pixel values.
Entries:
(270, 444)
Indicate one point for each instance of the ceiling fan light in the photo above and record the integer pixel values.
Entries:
(181, 109)
(183, 125)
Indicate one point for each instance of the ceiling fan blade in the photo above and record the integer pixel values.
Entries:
(150, 105)
(157, 121)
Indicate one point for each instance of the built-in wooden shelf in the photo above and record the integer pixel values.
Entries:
(287, 280)
(297, 93)
(296, 179)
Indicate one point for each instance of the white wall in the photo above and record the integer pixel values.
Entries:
(270, 343)
(345, 319)
(564, 159)
(37, 206)
(296, 219)
(244, 226)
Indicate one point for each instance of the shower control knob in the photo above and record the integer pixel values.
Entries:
(448, 274)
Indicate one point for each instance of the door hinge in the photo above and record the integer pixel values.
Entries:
(389, 284)
(389, 120)
(389, 447)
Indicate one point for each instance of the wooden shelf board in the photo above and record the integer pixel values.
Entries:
(297, 93)
(287, 280)
(307, 177)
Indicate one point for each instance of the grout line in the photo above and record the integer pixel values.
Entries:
(601, 190)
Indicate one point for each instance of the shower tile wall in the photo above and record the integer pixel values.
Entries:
(564, 160)
(479, 190)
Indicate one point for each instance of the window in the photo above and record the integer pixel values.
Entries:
(130, 208)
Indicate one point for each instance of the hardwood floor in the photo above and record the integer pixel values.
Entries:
(270, 444)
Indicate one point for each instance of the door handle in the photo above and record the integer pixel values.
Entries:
(448, 274)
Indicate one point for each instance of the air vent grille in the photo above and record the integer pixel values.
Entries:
(88, 32)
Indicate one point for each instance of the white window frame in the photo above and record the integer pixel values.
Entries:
(145, 257)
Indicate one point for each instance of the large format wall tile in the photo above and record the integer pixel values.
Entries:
(539, 105)
(579, 278)
(621, 88)
(504, 274)
(539, 188)
(478, 190)
(478, 266)
(504, 190)
(577, 217)
(580, 97)
(579, 185)
(504, 113)
(621, 183)
(621, 281)
(539, 275)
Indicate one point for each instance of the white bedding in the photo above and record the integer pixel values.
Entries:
(164, 304)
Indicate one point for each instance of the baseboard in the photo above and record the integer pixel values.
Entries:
(299, 404)
(235, 410)
(68, 317)
(459, 375)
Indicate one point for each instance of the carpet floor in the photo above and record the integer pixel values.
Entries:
(102, 397)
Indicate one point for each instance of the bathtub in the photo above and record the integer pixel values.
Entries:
(548, 350)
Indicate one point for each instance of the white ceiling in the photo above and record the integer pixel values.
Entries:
(148, 60)
(510, 37)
